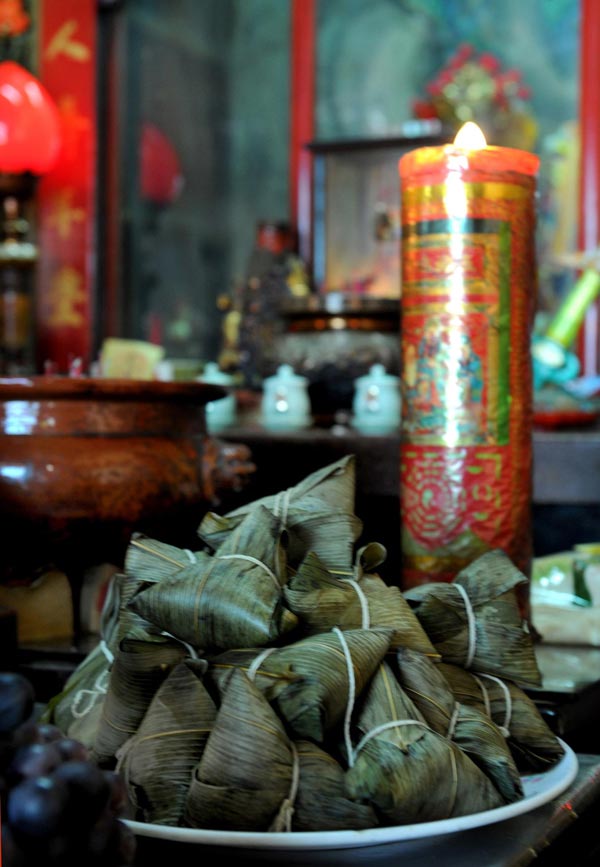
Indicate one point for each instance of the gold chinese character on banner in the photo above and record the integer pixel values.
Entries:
(62, 43)
(65, 216)
(65, 295)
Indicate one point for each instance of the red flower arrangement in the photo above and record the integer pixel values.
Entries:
(13, 18)
(475, 87)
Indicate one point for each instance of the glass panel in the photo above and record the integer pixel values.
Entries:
(204, 139)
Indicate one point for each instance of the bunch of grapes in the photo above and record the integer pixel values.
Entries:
(57, 807)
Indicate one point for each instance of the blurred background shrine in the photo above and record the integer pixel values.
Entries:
(218, 180)
(204, 144)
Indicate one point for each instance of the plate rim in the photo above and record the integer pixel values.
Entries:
(298, 840)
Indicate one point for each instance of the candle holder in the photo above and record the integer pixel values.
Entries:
(468, 298)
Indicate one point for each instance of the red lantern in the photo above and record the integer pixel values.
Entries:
(30, 126)
(160, 171)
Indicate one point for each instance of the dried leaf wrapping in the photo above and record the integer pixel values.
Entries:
(245, 773)
(157, 762)
(230, 599)
(321, 601)
(408, 772)
(321, 803)
(484, 632)
(318, 514)
(149, 560)
(76, 710)
(474, 732)
(138, 670)
(270, 683)
(533, 744)
(314, 701)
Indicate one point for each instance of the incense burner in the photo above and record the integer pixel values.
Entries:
(84, 462)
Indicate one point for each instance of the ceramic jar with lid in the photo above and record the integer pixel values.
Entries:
(285, 403)
(376, 405)
(331, 339)
(219, 413)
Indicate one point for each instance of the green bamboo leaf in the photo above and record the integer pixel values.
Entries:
(321, 601)
(245, 773)
(317, 513)
(230, 599)
(158, 760)
(533, 744)
(404, 769)
(138, 670)
(475, 733)
(314, 701)
(484, 632)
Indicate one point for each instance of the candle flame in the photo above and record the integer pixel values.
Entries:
(470, 137)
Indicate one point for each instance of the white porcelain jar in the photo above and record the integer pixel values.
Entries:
(376, 405)
(219, 413)
(285, 403)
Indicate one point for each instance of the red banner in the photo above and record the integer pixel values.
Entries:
(66, 196)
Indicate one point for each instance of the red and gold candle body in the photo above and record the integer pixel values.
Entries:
(468, 298)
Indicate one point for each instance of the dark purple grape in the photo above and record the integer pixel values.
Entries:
(72, 750)
(27, 733)
(17, 699)
(36, 809)
(33, 760)
(89, 790)
(119, 800)
(47, 732)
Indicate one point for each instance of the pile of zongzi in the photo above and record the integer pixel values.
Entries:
(273, 681)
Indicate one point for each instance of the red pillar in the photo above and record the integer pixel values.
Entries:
(589, 202)
(66, 196)
(302, 98)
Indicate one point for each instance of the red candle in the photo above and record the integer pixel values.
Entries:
(468, 298)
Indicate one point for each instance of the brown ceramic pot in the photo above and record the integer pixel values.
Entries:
(84, 462)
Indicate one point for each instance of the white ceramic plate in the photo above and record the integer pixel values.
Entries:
(539, 789)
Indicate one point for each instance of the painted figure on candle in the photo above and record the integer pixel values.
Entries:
(470, 372)
(439, 357)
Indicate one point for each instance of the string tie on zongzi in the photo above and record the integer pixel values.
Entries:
(258, 661)
(471, 625)
(107, 652)
(282, 502)
(364, 602)
(392, 724)
(251, 560)
(485, 696)
(100, 688)
(283, 819)
(191, 650)
(190, 555)
(453, 721)
(505, 727)
(351, 693)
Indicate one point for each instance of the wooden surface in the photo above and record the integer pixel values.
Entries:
(566, 462)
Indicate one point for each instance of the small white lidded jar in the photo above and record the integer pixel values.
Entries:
(376, 404)
(219, 413)
(285, 403)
